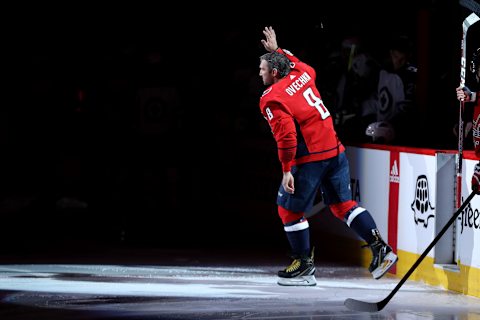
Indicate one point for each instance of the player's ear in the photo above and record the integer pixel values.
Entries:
(274, 72)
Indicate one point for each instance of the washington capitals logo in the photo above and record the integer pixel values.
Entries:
(421, 205)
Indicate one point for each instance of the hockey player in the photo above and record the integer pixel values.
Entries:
(395, 101)
(465, 94)
(312, 158)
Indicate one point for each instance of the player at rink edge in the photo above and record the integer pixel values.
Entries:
(465, 94)
(313, 159)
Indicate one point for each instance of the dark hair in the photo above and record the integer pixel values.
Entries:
(401, 43)
(277, 61)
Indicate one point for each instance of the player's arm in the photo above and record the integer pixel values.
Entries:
(476, 178)
(270, 44)
(284, 131)
(465, 94)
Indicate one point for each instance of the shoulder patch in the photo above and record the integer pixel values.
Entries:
(266, 91)
(412, 69)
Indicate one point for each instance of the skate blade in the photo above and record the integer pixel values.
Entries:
(390, 259)
(299, 281)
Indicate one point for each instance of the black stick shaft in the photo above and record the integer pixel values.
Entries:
(358, 305)
(430, 246)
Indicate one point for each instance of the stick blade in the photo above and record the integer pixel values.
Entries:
(357, 305)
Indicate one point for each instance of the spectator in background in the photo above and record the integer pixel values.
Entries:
(356, 91)
(395, 104)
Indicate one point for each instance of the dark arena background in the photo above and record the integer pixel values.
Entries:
(134, 125)
(131, 132)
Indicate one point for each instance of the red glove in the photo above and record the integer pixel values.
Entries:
(476, 179)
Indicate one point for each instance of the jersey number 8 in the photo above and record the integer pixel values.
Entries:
(316, 102)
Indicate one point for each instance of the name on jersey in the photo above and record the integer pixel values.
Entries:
(298, 83)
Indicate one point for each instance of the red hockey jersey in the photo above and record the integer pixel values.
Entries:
(301, 124)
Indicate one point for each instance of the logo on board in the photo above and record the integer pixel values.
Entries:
(394, 173)
(421, 206)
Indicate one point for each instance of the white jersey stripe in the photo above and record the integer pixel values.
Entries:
(354, 214)
(297, 227)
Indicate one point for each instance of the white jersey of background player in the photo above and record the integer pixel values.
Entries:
(396, 84)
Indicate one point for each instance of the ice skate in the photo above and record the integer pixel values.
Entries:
(383, 258)
(301, 272)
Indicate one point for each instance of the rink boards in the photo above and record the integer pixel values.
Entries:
(411, 194)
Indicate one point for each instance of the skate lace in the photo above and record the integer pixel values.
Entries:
(294, 266)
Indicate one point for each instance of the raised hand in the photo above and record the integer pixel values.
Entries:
(270, 41)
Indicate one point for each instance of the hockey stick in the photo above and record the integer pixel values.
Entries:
(471, 19)
(316, 209)
(358, 305)
(459, 158)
